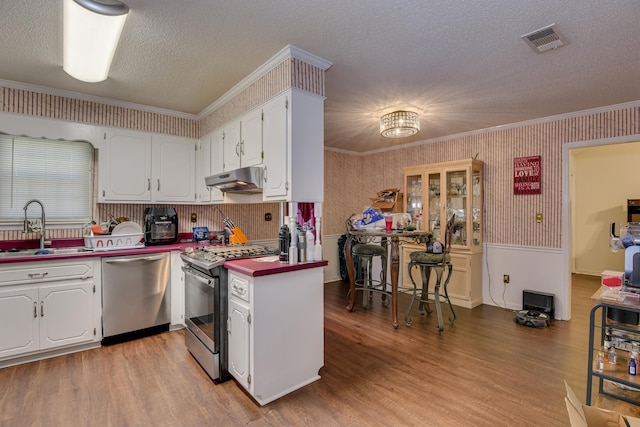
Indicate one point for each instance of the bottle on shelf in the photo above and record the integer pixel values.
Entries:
(632, 366)
(310, 243)
(613, 357)
(600, 362)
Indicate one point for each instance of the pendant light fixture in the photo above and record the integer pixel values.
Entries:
(399, 124)
(92, 29)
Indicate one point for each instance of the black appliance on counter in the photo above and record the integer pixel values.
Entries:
(206, 289)
(160, 226)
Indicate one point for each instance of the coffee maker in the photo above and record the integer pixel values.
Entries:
(160, 226)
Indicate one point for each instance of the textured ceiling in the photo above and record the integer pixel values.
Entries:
(460, 64)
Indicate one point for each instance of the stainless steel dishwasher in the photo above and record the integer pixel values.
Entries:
(135, 296)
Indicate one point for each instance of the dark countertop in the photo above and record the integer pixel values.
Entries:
(255, 268)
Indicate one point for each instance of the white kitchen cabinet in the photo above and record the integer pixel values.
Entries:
(173, 169)
(216, 163)
(124, 166)
(276, 331)
(239, 342)
(243, 141)
(293, 142)
(141, 168)
(203, 169)
(177, 291)
(48, 305)
(19, 320)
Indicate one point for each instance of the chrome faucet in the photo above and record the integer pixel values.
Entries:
(27, 226)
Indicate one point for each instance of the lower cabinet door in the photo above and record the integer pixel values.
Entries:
(66, 314)
(19, 321)
(238, 330)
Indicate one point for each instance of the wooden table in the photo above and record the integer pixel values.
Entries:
(363, 236)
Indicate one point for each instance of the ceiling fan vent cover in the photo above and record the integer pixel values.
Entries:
(544, 39)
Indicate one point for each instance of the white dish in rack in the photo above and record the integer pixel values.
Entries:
(127, 227)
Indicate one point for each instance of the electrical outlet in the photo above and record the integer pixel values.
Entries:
(267, 216)
(194, 217)
(505, 278)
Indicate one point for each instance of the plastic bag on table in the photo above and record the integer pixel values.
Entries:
(369, 217)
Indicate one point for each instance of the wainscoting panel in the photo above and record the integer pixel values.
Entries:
(538, 269)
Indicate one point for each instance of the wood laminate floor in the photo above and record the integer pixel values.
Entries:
(483, 371)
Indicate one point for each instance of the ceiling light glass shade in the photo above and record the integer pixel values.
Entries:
(91, 33)
(399, 124)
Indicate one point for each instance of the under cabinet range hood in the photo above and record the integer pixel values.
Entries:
(243, 180)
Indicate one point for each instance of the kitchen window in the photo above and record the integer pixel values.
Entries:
(56, 172)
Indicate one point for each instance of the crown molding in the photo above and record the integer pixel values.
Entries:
(97, 99)
(285, 53)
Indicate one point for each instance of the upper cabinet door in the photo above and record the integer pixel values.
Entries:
(217, 164)
(251, 139)
(275, 143)
(203, 169)
(174, 165)
(124, 164)
(231, 138)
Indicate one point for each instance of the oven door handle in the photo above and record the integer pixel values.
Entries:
(196, 275)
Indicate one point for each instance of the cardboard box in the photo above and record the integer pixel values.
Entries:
(590, 416)
(390, 200)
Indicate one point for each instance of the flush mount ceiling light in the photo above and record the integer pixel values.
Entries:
(91, 32)
(399, 124)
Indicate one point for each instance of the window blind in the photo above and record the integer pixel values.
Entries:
(58, 173)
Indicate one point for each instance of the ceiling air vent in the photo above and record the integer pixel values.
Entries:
(544, 39)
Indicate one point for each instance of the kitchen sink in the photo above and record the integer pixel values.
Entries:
(37, 252)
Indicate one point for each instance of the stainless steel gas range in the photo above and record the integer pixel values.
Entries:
(206, 287)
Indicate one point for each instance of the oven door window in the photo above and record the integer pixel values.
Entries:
(200, 306)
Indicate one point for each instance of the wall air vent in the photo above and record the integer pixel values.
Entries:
(544, 39)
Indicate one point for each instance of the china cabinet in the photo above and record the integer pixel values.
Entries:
(433, 193)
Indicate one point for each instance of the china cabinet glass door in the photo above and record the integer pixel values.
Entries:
(413, 195)
(456, 184)
(476, 191)
(434, 204)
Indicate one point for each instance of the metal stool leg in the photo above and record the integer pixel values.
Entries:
(366, 282)
(407, 318)
(446, 294)
(436, 296)
(383, 280)
(424, 296)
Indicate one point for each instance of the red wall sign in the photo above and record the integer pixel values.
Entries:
(527, 175)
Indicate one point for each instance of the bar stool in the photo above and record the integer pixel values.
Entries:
(364, 254)
(439, 262)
